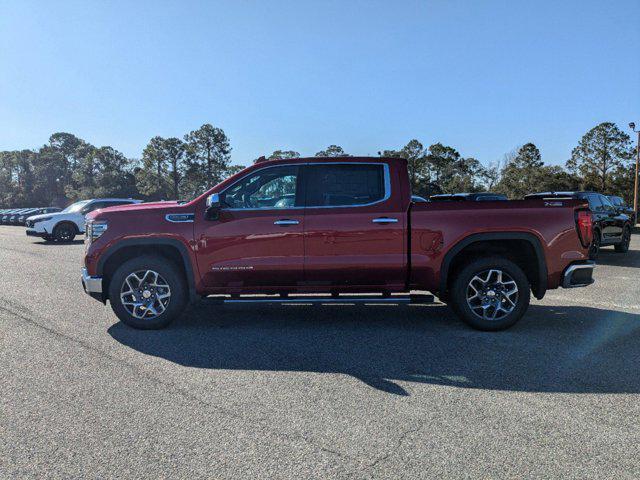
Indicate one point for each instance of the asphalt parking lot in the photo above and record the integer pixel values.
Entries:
(314, 392)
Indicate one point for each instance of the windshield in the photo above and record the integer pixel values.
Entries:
(75, 207)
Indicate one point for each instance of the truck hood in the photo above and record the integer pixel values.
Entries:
(47, 215)
(135, 207)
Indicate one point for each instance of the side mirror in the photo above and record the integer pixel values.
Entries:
(213, 206)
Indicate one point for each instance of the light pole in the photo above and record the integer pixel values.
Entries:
(632, 126)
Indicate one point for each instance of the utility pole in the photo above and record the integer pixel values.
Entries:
(635, 180)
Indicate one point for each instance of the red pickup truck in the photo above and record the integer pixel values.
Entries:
(344, 229)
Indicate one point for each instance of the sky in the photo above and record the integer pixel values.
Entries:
(481, 76)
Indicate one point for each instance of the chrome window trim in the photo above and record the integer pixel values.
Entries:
(387, 186)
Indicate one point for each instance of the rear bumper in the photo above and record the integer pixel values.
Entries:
(578, 275)
(92, 285)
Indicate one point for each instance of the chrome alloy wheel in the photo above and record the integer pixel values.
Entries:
(145, 294)
(492, 294)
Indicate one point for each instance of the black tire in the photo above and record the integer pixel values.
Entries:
(594, 248)
(623, 246)
(168, 272)
(64, 232)
(496, 292)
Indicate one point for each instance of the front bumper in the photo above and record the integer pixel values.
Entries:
(33, 233)
(578, 275)
(92, 285)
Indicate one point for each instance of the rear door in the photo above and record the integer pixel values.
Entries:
(256, 241)
(354, 233)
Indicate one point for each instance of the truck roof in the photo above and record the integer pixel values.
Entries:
(263, 160)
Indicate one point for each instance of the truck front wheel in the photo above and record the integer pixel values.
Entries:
(625, 241)
(147, 292)
(490, 293)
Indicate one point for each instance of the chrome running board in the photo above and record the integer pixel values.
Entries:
(418, 299)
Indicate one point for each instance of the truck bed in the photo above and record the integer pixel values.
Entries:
(437, 229)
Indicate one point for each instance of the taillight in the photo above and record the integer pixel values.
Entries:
(584, 222)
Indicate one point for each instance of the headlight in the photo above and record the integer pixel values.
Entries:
(93, 230)
(44, 219)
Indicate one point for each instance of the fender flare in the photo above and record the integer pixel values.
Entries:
(152, 241)
(533, 240)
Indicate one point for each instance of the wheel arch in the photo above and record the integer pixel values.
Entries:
(66, 222)
(171, 249)
(498, 243)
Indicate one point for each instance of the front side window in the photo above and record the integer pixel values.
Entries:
(337, 185)
(269, 188)
(606, 203)
(92, 206)
(75, 207)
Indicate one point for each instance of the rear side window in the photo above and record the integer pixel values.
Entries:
(342, 185)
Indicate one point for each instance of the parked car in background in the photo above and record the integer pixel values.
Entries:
(471, 197)
(6, 215)
(65, 225)
(338, 227)
(18, 216)
(623, 207)
(22, 217)
(13, 218)
(610, 227)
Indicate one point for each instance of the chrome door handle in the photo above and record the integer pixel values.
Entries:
(286, 221)
(385, 220)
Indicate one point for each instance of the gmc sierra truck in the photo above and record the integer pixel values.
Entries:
(343, 229)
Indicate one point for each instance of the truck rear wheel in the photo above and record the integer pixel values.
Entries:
(147, 292)
(490, 294)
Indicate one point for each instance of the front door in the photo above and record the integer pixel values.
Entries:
(257, 239)
(615, 221)
(355, 230)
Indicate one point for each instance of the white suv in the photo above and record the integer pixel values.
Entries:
(65, 225)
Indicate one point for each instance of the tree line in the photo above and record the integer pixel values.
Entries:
(68, 168)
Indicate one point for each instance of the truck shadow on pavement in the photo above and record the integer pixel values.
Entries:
(552, 349)
(59, 244)
(607, 256)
